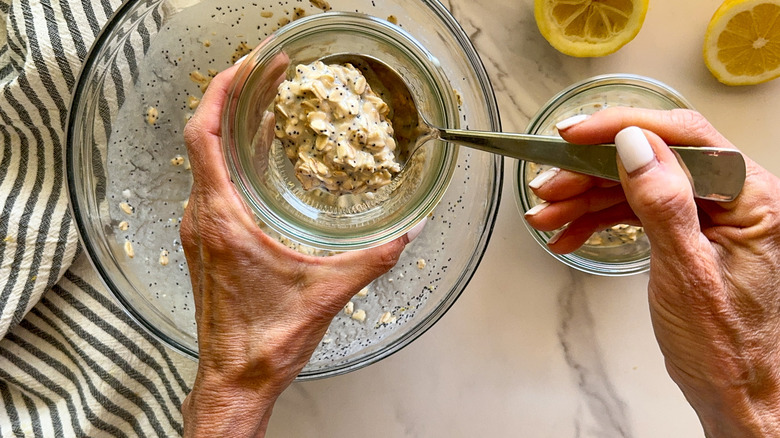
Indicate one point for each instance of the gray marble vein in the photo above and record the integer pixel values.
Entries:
(603, 413)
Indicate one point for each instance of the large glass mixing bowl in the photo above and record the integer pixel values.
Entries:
(129, 179)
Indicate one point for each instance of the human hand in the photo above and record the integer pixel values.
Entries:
(261, 308)
(715, 267)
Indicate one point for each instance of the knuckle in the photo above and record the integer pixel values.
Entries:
(210, 225)
(665, 206)
(191, 132)
(219, 237)
(691, 122)
(188, 232)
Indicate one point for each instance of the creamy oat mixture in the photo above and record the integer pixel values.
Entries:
(335, 130)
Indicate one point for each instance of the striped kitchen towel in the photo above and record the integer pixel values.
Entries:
(71, 362)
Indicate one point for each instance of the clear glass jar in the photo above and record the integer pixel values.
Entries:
(622, 249)
(266, 178)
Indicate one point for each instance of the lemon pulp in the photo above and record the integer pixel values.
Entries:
(586, 28)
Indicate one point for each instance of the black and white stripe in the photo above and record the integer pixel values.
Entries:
(72, 363)
(79, 364)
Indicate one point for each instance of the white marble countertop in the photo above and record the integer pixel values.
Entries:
(566, 354)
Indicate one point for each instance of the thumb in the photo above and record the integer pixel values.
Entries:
(659, 192)
(363, 267)
(347, 273)
(353, 270)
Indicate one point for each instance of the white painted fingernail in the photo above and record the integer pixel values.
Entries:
(543, 177)
(571, 121)
(416, 230)
(241, 59)
(633, 148)
(556, 237)
(537, 208)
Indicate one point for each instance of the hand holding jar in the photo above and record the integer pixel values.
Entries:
(261, 308)
(714, 288)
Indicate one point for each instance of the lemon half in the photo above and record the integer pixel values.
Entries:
(586, 28)
(742, 43)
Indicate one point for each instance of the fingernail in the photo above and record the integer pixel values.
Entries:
(416, 230)
(633, 148)
(556, 237)
(536, 209)
(571, 121)
(241, 59)
(543, 177)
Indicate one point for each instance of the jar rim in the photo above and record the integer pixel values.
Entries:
(605, 80)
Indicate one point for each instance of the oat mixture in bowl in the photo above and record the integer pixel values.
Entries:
(129, 178)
